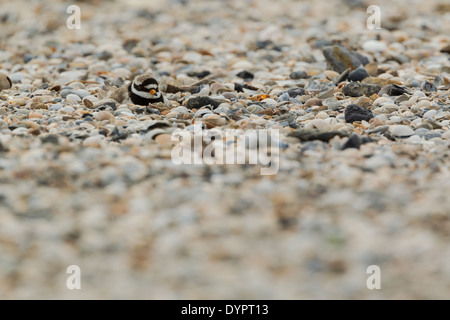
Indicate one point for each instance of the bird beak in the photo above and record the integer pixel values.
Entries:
(152, 92)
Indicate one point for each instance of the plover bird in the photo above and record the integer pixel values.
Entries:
(143, 90)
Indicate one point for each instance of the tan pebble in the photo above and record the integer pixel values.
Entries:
(322, 115)
(312, 73)
(215, 120)
(5, 82)
(319, 108)
(88, 103)
(313, 102)
(29, 124)
(34, 131)
(103, 115)
(330, 74)
(372, 69)
(164, 139)
(364, 102)
(35, 115)
(120, 123)
(376, 122)
(20, 101)
(446, 135)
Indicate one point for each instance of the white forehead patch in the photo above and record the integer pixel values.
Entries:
(151, 85)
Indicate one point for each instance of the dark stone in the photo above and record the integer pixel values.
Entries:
(198, 102)
(103, 132)
(354, 112)
(238, 87)
(51, 138)
(199, 75)
(358, 75)
(129, 44)
(354, 141)
(263, 44)
(245, 75)
(295, 75)
(45, 85)
(86, 115)
(103, 55)
(27, 57)
(428, 86)
(309, 135)
(118, 135)
(296, 92)
(340, 58)
(393, 90)
(356, 89)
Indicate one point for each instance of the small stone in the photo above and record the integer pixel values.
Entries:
(35, 115)
(295, 75)
(330, 74)
(198, 102)
(446, 135)
(5, 82)
(245, 75)
(215, 120)
(446, 49)
(364, 102)
(73, 97)
(313, 102)
(401, 130)
(65, 92)
(314, 134)
(354, 112)
(374, 46)
(358, 75)
(354, 141)
(164, 139)
(103, 115)
(67, 109)
(427, 86)
(372, 69)
(340, 58)
(294, 92)
(105, 103)
(55, 107)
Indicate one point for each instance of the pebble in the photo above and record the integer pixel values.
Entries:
(298, 75)
(354, 112)
(5, 82)
(401, 131)
(198, 102)
(340, 58)
(374, 46)
(103, 115)
(358, 75)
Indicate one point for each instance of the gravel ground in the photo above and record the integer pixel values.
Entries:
(364, 150)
